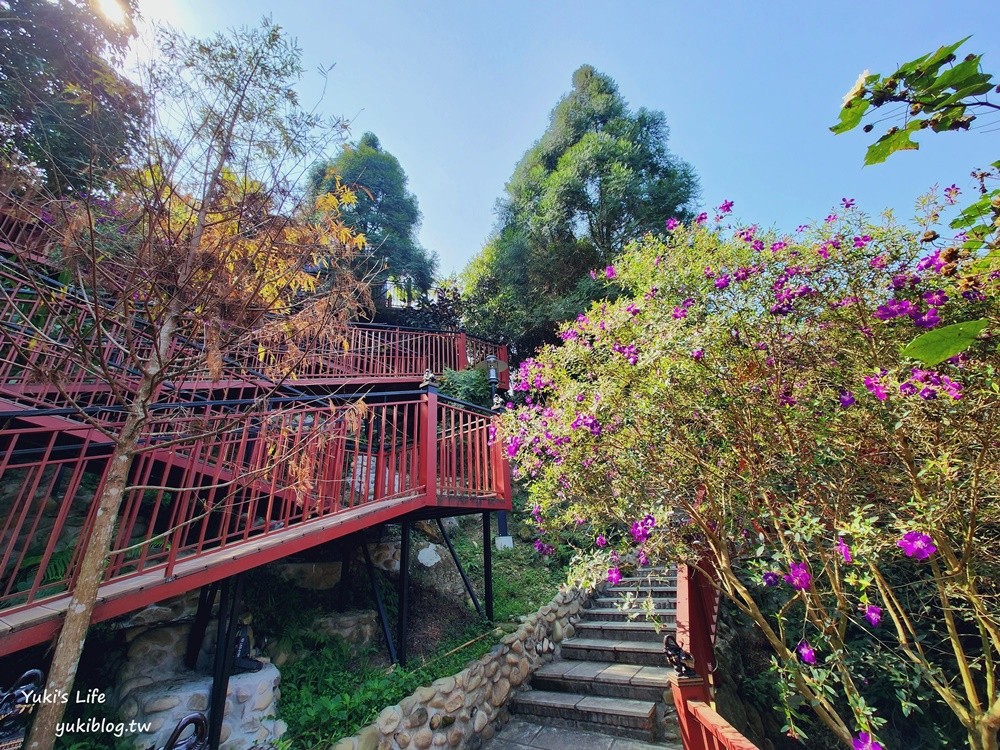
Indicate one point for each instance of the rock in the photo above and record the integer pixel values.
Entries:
(488, 731)
(198, 702)
(444, 685)
(557, 632)
(129, 709)
(368, 738)
(429, 556)
(501, 689)
(455, 702)
(389, 720)
(164, 703)
(481, 720)
(345, 744)
(264, 699)
(312, 576)
(455, 737)
(418, 718)
(435, 722)
(423, 738)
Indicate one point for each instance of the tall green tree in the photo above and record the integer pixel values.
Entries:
(600, 175)
(65, 110)
(386, 213)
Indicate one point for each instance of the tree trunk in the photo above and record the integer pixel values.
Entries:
(69, 645)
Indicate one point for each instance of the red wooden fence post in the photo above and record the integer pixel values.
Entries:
(696, 603)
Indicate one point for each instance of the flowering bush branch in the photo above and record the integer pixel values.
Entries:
(747, 402)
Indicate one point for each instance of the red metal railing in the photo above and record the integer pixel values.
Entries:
(697, 613)
(46, 334)
(212, 479)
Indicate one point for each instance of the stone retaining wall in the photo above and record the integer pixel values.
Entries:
(464, 710)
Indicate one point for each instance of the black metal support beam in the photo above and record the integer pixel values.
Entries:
(225, 644)
(487, 567)
(404, 591)
(461, 570)
(196, 637)
(383, 616)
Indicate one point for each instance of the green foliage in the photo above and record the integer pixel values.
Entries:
(386, 213)
(751, 394)
(333, 694)
(599, 175)
(467, 385)
(941, 94)
(934, 347)
(63, 105)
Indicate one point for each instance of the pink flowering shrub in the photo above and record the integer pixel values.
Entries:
(746, 402)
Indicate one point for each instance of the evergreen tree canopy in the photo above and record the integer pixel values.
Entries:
(385, 212)
(599, 176)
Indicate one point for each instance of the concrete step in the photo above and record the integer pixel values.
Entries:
(604, 678)
(662, 601)
(666, 615)
(656, 588)
(624, 630)
(643, 653)
(666, 580)
(621, 716)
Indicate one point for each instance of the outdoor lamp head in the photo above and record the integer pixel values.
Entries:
(491, 369)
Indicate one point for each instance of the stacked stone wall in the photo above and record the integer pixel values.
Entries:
(466, 709)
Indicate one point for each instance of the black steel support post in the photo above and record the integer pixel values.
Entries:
(461, 570)
(206, 600)
(383, 616)
(404, 591)
(346, 552)
(225, 644)
(487, 567)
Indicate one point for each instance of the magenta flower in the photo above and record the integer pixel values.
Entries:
(633, 309)
(917, 544)
(951, 193)
(610, 272)
(873, 614)
(846, 399)
(640, 532)
(876, 387)
(847, 202)
(865, 741)
(672, 224)
(771, 578)
(643, 558)
(806, 652)
(701, 218)
(862, 241)
(614, 576)
(830, 218)
(726, 207)
(798, 576)
(602, 541)
(928, 319)
(778, 246)
(844, 550)
(935, 298)
(680, 313)
(697, 354)
(722, 282)
(593, 274)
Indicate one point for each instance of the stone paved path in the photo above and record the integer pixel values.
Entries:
(521, 734)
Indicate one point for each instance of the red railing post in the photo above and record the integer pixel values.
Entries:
(696, 602)
(505, 375)
(684, 690)
(429, 455)
(461, 351)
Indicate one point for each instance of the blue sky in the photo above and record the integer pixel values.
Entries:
(459, 90)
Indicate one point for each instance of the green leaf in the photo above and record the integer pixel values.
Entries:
(940, 344)
(890, 143)
(850, 116)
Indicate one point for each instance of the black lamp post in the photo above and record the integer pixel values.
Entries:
(493, 367)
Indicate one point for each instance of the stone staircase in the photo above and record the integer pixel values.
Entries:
(613, 676)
